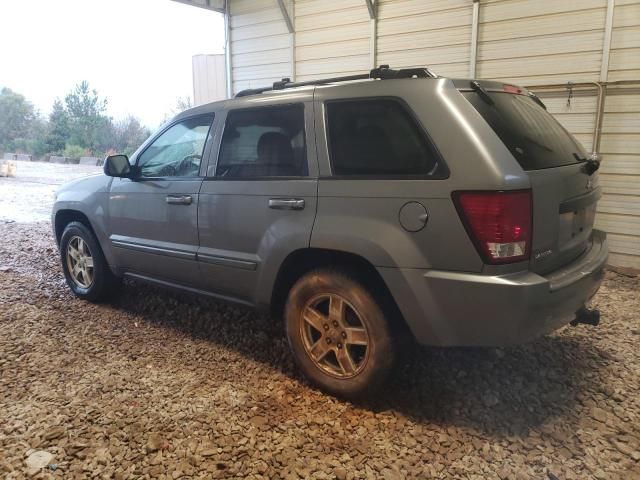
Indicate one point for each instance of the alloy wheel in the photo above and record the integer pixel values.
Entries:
(334, 335)
(80, 262)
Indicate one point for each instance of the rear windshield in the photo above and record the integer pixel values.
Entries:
(531, 134)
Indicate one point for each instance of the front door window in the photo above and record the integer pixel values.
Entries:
(178, 151)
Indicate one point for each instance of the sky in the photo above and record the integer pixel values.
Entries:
(136, 53)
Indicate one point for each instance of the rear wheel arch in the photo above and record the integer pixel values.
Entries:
(302, 261)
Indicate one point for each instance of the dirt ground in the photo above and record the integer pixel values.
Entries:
(160, 385)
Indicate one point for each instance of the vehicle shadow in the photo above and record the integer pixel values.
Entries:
(499, 392)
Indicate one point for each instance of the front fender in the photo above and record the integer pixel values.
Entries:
(88, 196)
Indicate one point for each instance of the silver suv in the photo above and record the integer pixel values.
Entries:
(357, 208)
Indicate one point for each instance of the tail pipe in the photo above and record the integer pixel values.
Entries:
(586, 316)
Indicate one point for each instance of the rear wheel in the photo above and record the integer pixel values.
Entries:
(83, 264)
(338, 333)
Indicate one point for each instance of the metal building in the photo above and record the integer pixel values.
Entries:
(209, 78)
(581, 56)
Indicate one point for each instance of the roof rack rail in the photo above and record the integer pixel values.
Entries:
(383, 72)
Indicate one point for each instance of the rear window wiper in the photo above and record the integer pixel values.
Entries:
(591, 165)
(536, 99)
(479, 89)
(537, 144)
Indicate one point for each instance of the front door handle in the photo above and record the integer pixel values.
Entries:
(286, 203)
(179, 199)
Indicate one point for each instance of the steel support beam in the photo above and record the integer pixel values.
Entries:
(227, 49)
(606, 46)
(597, 129)
(373, 33)
(372, 9)
(474, 38)
(206, 4)
(292, 44)
(285, 15)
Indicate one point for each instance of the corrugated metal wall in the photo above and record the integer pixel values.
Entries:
(619, 210)
(531, 42)
(332, 38)
(436, 33)
(625, 43)
(528, 42)
(260, 44)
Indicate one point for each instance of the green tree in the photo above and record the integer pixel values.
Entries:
(87, 119)
(34, 142)
(128, 134)
(58, 131)
(17, 118)
(74, 151)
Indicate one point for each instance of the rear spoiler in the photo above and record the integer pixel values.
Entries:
(483, 87)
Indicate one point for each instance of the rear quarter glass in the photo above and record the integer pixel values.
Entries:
(532, 135)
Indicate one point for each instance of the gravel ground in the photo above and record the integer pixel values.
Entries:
(160, 385)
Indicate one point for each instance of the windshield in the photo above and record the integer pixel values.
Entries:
(532, 135)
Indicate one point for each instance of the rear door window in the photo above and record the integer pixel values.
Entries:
(264, 142)
(378, 138)
(532, 135)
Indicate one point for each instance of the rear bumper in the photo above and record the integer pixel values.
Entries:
(464, 309)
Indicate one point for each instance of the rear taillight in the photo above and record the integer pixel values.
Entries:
(499, 223)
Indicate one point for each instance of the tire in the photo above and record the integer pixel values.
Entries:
(343, 365)
(93, 281)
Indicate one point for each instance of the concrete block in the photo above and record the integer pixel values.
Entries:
(58, 159)
(8, 168)
(89, 160)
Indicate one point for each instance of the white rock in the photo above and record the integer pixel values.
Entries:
(38, 460)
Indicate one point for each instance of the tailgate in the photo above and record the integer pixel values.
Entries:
(564, 193)
(564, 207)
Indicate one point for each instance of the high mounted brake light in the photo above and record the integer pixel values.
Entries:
(511, 89)
(499, 223)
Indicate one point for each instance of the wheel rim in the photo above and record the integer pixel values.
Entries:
(334, 335)
(80, 262)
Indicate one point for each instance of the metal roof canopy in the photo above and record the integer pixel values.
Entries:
(221, 7)
(215, 5)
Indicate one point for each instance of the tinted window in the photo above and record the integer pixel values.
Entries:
(178, 151)
(531, 134)
(377, 137)
(263, 142)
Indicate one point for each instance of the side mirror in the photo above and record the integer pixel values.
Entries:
(117, 166)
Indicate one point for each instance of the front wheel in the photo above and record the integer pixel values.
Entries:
(338, 333)
(83, 263)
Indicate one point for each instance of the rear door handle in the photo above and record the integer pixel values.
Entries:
(286, 203)
(179, 199)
